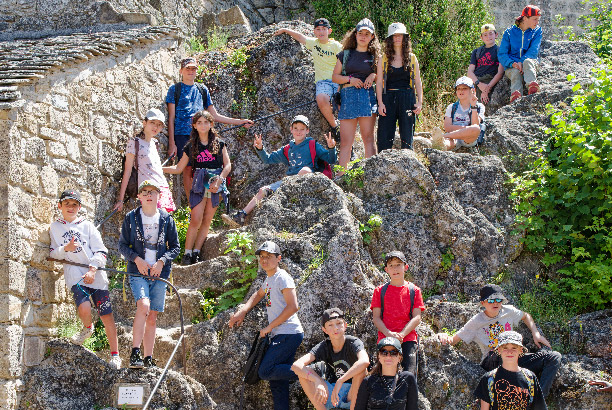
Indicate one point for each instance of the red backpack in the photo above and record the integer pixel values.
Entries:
(318, 164)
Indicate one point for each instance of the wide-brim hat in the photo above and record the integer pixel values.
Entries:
(396, 28)
(510, 337)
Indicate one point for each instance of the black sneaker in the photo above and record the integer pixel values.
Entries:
(149, 362)
(236, 220)
(195, 257)
(336, 133)
(136, 360)
(186, 259)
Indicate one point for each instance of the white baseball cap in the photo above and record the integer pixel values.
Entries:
(464, 81)
(396, 28)
(155, 114)
(365, 24)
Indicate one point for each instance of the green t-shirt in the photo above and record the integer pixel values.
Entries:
(324, 57)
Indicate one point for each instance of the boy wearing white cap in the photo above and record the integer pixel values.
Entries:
(510, 386)
(485, 69)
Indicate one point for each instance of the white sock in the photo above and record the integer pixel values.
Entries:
(187, 251)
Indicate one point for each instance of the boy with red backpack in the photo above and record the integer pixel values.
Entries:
(303, 155)
(396, 309)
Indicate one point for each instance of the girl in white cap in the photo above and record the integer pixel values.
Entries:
(141, 156)
(399, 89)
(355, 71)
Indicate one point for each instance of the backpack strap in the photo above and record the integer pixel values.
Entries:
(385, 62)
(530, 382)
(177, 94)
(491, 385)
(412, 65)
(202, 90)
(286, 151)
(136, 149)
(133, 226)
(382, 298)
(312, 144)
(411, 290)
(480, 52)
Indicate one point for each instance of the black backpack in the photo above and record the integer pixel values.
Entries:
(251, 367)
(382, 298)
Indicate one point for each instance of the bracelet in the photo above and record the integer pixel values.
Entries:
(474, 106)
(350, 76)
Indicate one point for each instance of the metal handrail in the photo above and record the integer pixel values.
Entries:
(181, 339)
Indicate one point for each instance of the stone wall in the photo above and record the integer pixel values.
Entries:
(70, 131)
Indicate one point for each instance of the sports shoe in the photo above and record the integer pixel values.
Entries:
(336, 133)
(186, 259)
(136, 361)
(534, 87)
(195, 258)
(236, 220)
(515, 96)
(149, 362)
(115, 362)
(437, 139)
(83, 335)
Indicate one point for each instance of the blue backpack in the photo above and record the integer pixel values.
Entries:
(483, 127)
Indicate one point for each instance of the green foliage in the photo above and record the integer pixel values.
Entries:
(366, 229)
(208, 305)
(314, 264)
(443, 32)
(446, 261)
(564, 203)
(240, 243)
(598, 27)
(353, 174)
(98, 341)
(181, 219)
(216, 38)
(196, 44)
(69, 326)
(427, 293)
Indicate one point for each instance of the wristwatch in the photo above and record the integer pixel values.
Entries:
(476, 82)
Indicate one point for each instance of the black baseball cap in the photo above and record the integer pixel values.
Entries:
(268, 246)
(491, 291)
(331, 314)
(322, 22)
(395, 254)
(70, 194)
(389, 341)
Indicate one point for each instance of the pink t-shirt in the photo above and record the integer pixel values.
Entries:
(397, 308)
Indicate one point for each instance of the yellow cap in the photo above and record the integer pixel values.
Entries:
(487, 27)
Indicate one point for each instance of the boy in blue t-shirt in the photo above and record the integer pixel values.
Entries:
(485, 69)
(193, 97)
(298, 157)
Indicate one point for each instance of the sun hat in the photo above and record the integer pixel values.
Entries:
(146, 183)
(301, 118)
(389, 341)
(490, 291)
(510, 337)
(395, 254)
(487, 27)
(189, 61)
(322, 22)
(396, 28)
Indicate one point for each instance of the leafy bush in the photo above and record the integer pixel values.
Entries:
(598, 27)
(443, 32)
(181, 219)
(564, 204)
(366, 229)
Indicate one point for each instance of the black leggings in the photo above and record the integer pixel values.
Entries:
(399, 105)
(410, 356)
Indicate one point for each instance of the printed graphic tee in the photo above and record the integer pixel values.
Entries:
(205, 158)
(511, 390)
(341, 361)
(323, 56)
(273, 288)
(150, 227)
(149, 164)
(487, 64)
(462, 115)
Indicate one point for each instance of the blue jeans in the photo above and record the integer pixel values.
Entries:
(276, 367)
(545, 364)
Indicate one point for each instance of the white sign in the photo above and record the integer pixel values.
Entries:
(130, 395)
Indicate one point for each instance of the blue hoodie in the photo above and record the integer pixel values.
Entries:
(299, 156)
(517, 45)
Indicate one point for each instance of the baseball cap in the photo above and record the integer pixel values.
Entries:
(395, 254)
(330, 314)
(146, 183)
(70, 194)
(365, 24)
(189, 61)
(155, 114)
(530, 11)
(508, 337)
(389, 341)
(396, 28)
(464, 81)
(490, 291)
(487, 27)
(268, 246)
(322, 22)
(301, 118)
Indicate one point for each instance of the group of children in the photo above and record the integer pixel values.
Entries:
(334, 373)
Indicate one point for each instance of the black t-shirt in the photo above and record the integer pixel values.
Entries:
(397, 77)
(359, 63)
(375, 390)
(487, 63)
(511, 390)
(204, 157)
(337, 363)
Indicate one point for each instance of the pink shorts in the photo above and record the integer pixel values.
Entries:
(165, 199)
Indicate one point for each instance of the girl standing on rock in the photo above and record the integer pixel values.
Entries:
(397, 78)
(207, 154)
(387, 387)
(355, 71)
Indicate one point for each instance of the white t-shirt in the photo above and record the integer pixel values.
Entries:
(462, 115)
(273, 288)
(149, 164)
(150, 226)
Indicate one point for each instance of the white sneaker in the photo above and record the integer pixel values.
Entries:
(83, 335)
(115, 362)
(437, 139)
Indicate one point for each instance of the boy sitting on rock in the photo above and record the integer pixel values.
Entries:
(341, 360)
(324, 51)
(497, 317)
(401, 312)
(77, 240)
(301, 155)
(510, 386)
(485, 69)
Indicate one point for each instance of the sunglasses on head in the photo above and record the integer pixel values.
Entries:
(391, 353)
(495, 300)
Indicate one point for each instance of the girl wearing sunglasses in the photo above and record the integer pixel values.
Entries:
(387, 387)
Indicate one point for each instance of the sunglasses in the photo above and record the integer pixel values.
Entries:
(495, 300)
(391, 353)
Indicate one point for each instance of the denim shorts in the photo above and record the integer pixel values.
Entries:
(154, 290)
(326, 87)
(275, 185)
(342, 395)
(357, 102)
(101, 298)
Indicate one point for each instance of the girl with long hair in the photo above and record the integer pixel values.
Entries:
(387, 387)
(207, 154)
(398, 88)
(355, 71)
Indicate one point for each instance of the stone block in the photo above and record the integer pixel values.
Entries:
(94, 179)
(27, 176)
(33, 350)
(34, 285)
(44, 210)
(267, 14)
(10, 241)
(50, 134)
(8, 393)
(35, 150)
(72, 149)
(56, 149)
(89, 148)
(12, 277)
(39, 257)
(110, 160)
(19, 203)
(52, 286)
(48, 181)
(10, 308)
(11, 338)
(101, 127)
(46, 315)
(232, 16)
(57, 119)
